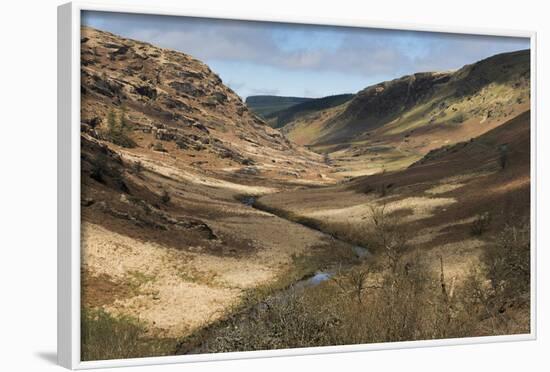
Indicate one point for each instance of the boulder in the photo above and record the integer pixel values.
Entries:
(105, 86)
(174, 104)
(146, 91)
(190, 74)
(186, 88)
(165, 135)
(201, 127)
(252, 171)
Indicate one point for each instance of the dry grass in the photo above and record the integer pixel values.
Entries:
(398, 300)
(104, 336)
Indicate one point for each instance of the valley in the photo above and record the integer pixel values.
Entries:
(211, 225)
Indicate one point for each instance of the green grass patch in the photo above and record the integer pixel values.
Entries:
(105, 336)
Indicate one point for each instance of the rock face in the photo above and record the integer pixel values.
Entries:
(399, 95)
(171, 97)
(385, 98)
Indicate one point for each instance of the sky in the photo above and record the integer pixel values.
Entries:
(303, 60)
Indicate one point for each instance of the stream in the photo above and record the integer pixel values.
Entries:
(200, 345)
(321, 275)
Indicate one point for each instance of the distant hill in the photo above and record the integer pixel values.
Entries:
(265, 105)
(280, 118)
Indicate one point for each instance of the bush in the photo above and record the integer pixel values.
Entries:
(508, 266)
(459, 118)
(388, 236)
(480, 224)
(406, 298)
(502, 282)
(137, 167)
(358, 306)
(99, 168)
(158, 146)
(503, 156)
(118, 131)
(165, 197)
(119, 182)
(101, 172)
(383, 189)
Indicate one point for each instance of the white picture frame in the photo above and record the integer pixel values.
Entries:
(69, 186)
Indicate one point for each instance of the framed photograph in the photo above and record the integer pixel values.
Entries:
(238, 186)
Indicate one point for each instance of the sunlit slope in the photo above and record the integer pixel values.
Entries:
(423, 111)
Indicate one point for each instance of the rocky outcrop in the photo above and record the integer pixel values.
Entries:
(393, 96)
(186, 88)
(168, 96)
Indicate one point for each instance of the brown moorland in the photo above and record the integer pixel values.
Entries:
(198, 217)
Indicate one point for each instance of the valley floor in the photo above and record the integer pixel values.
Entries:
(187, 269)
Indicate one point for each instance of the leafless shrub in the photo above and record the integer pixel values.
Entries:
(480, 224)
(384, 189)
(137, 167)
(406, 298)
(165, 197)
(502, 282)
(503, 156)
(508, 266)
(354, 283)
(388, 235)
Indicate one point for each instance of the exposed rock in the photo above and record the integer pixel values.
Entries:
(147, 91)
(110, 45)
(290, 173)
(165, 135)
(86, 202)
(253, 171)
(241, 110)
(93, 122)
(190, 74)
(105, 86)
(201, 127)
(220, 97)
(166, 100)
(120, 51)
(186, 88)
(188, 142)
(173, 103)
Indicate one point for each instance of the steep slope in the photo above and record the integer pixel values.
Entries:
(174, 104)
(166, 151)
(280, 118)
(436, 200)
(265, 105)
(423, 111)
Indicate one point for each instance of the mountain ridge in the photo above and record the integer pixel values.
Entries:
(392, 103)
(265, 105)
(174, 103)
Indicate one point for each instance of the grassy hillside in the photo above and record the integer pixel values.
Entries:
(423, 111)
(204, 229)
(266, 105)
(165, 149)
(450, 244)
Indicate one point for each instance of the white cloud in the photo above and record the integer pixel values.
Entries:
(365, 53)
